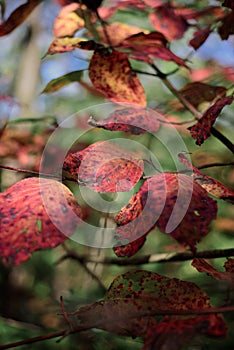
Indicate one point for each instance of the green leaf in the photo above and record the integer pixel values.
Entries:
(64, 80)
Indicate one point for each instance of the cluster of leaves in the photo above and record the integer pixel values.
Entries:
(145, 304)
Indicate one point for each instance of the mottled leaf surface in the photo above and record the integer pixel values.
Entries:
(65, 44)
(130, 120)
(58, 83)
(135, 297)
(111, 74)
(68, 21)
(162, 199)
(203, 266)
(35, 214)
(166, 21)
(201, 130)
(105, 167)
(18, 16)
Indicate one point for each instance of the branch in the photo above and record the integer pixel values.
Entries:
(151, 258)
(29, 172)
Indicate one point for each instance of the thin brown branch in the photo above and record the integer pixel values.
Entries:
(152, 258)
(29, 172)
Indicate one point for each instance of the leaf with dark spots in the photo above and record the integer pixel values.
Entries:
(105, 167)
(212, 186)
(198, 92)
(135, 297)
(35, 214)
(199, 37)
(130, 120)
(203, 266)
(58, 83)
(111, 74)
(174, 203)
(18, 16)
(66, 44)
(145, 47)
(201, 130)
(68, 21)
(166, 21)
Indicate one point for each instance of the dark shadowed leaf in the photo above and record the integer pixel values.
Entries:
(229, 4)
(18, 16)
(105, 167)
(203, 266)
(197, 92)
(131, 120)
(59, 83)
(145, 47)
(199, 37)
(165, 20)
(165, 199)
(35, 214)
(135, 297)
(68, 21)
(111, 74)
(227, 26)
(201, 130)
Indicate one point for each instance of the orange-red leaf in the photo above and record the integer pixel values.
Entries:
(165, 20)
(18, 16)
(35, 214)
(145, 47)
(201, 130)
(203, 266)
(131, 120)
(212, 186)
(111, 74)
(174, 203)
(65, 44)
(68, 22)
(105, 167)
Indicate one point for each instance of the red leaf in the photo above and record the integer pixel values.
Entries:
(198, 92)
(174, 203)
(111, 74)
(136, 296)
(203, 266)
(199, 37)
(105, 167)
(212, 186)
(18, 16)
(165, 20)
(201, 130)
(227, 26)
(131, 120)
(145, 47)
(35, 214)
(68, 22)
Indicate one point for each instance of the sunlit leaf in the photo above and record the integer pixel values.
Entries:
(165, 198)
(66, 44)
(201, 130)
(18, 16)
(59, 83)
(111, 74)
(35, 214)
(68, 21)
(130, 120)
(166, 21)
(203, 266)
(105, 167)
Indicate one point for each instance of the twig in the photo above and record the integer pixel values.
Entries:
(152, 258)
(29, 172)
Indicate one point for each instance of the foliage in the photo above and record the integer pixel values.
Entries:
(170, 197)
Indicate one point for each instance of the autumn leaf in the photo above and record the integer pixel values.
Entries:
(201, 130)
(65, 44)
(174, 203)
(198, 92)
(136, 297)
(199, 37)
(166, 21)
(227, 26)
(59, 83)
(145, 47)
(68, 21)
(203, 266)
(111, 74)
(229, 4)
(130, 120)
(35, 214)
(105, 167)
(18, 16)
